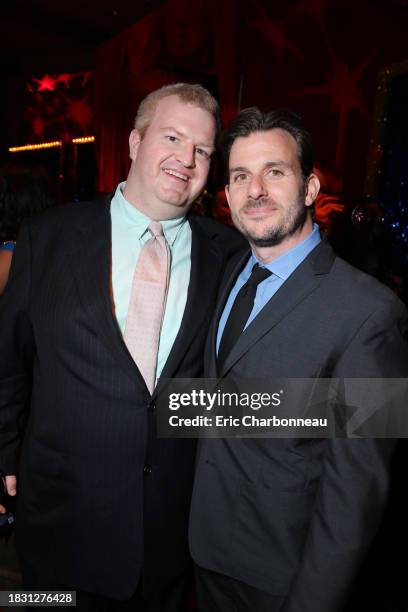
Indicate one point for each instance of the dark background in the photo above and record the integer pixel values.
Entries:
(332, 61)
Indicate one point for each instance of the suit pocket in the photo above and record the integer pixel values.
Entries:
(40, 481)
(287, 468)
(270, 533)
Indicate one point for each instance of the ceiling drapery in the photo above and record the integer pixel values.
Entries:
(181, 41)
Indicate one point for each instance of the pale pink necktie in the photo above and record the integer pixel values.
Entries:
(147, 303)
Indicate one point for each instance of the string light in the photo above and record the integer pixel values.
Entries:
(49, 145)
(83, 140)
(34, 147)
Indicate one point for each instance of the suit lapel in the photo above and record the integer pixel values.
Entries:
(304, 280)
(206, 260)
(91, 250)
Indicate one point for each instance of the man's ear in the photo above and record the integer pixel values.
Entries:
(312, 189)
(134, 142)
(226, 189)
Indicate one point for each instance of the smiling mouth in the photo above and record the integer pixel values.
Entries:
(178, 175)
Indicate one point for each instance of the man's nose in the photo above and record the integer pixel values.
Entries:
(186, 155)
(256, 187)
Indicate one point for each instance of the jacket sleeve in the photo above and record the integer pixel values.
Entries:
(354, 484)
(16, 353)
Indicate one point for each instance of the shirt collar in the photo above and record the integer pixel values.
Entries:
(284, 265)
(139, 222)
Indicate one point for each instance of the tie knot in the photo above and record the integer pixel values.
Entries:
(258, 275)
(156, 228)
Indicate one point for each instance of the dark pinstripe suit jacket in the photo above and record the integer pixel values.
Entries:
(88, 513)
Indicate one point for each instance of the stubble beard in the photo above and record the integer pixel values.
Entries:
(292, 220)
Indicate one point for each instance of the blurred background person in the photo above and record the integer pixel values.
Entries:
(24, 192)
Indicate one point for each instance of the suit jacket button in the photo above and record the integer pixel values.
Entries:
(147, 470)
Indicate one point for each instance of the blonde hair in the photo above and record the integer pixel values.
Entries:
(194, 94)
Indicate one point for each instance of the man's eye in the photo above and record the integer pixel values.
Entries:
(172, 138)
(275, 172)
(203, 153)
(239, 178)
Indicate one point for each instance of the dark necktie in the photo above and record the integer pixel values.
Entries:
(240, 311)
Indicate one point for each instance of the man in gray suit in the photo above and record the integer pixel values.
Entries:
(284, 524)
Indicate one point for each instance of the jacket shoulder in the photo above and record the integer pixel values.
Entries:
(69, 213)
(226, 237)
(361, 287)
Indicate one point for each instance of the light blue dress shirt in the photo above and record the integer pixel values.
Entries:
(281, 269)
(129, 233)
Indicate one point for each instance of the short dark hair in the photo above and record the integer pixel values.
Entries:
(251, 120)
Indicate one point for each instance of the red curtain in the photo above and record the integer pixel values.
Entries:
(175, 43)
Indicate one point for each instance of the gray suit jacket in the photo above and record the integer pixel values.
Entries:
(294, 517)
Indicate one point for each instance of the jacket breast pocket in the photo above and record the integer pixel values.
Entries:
(286, 470)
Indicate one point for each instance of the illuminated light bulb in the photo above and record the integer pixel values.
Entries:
(83, 139)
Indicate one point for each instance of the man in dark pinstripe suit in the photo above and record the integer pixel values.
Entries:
(102, 504)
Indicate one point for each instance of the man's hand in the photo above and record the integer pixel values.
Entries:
(10, 486)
